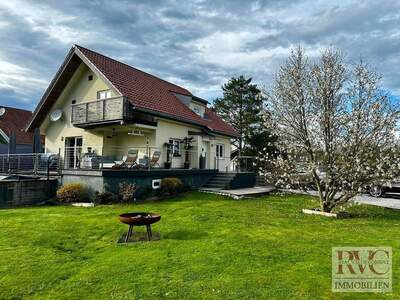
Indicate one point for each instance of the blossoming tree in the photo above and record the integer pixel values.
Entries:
(337, 119)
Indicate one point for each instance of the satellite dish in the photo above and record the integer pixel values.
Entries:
(56, 115)
(2, 111)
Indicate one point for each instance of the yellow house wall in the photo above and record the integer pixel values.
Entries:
(167, 129)
(80, 89)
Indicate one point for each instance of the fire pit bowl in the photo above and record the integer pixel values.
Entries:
(139, 219)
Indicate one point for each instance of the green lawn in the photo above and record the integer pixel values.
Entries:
(211, 247)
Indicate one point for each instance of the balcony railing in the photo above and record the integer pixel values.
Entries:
(40, 164)
(98, 111)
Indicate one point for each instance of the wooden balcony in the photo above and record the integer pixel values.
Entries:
(108, 110)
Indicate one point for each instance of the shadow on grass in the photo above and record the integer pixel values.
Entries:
(139, 237)
(185, 235)
(373, 212)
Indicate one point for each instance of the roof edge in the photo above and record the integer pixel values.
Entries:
(201, 100)
(49, 88)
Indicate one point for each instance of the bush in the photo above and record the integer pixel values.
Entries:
(171, 186)
(127, 191)
(72, 192)
(106, 198)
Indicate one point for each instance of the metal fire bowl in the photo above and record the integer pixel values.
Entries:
(139, 218)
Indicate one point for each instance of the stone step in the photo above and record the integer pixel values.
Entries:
(212, 185)
(220, 181)
(224, 177)
(215, 184)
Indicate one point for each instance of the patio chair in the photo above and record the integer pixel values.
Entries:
(153, 161)
(129, 160)
(155, 158)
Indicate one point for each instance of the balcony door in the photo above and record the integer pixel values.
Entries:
(73, 152)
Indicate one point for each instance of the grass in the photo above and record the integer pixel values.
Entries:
(211, 248)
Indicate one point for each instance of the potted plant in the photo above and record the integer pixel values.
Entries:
(187, 145)
(167, 163)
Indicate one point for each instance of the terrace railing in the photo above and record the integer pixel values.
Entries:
(103, 110)
(241, 164)
(40, 164)
(109, 157)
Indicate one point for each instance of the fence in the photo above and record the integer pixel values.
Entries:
(93, 157)
(242, 164)
(30, 164)
(139, 157)
(20, 149)
(143, 157)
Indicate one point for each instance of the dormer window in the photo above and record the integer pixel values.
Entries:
(103, 94)
(197, 110)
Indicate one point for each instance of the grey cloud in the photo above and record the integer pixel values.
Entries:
(177, 40)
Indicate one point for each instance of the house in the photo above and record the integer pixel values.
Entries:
(15, 119)
(97, 109)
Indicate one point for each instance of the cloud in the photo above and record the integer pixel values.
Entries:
(199, 44)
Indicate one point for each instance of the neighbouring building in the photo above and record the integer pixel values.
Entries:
(15, 119)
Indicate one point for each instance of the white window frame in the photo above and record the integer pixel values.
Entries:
(218, 149)
(106, 93)
(175, 147)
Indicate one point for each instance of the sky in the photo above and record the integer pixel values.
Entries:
(196, 44)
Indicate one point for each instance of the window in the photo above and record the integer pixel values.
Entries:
(73, 101)
(103, 94)
(156, 183)
(197, 110)
(90, 78)
(175, 147)
(220, 149)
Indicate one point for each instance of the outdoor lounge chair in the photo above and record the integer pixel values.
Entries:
(129, 160)
(153, 161)
(155, 158)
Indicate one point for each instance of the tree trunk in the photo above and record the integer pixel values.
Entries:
(325, 207)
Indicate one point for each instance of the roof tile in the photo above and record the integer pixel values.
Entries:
(16, 119)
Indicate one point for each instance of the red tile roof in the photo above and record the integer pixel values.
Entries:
(151, 93)
(16, 119)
